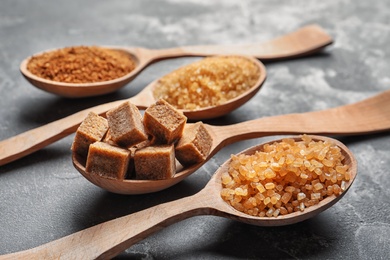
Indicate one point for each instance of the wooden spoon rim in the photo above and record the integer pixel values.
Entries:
(30, 75)
(215, 185)
(233, 103)
(131, 186)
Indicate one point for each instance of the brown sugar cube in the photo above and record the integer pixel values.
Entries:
(107, 160)
(155, 162)
(133, 149)
(92, 129)
(125, 122)
(195, 144)
(108, 139)
(164, 122)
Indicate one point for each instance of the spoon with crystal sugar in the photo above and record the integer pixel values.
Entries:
(108, 239)
(304, 41)
(364, 117)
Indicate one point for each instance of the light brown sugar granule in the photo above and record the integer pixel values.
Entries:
(81, 64)
(208, 82)
(285, 177)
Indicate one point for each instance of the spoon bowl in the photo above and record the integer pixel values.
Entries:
(145, 98)
(80, 90)
(106, 240)
(306, 40)
(291, 218)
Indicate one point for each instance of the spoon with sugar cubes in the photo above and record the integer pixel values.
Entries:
(169, 149)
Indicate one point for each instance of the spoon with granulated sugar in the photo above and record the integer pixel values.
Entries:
(364, 117)
(108, 239)
(304, 41)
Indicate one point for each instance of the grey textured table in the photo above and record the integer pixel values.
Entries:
(42, 197)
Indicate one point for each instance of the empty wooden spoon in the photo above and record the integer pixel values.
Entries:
(304, 41)
(108, 239)
(367, 116)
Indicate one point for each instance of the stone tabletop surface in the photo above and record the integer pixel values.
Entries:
(43, 197)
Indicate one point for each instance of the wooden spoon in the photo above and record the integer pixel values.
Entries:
(108, 239)
(367, 116)
(304, 41)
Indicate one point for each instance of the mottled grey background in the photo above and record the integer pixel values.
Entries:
(42, 197)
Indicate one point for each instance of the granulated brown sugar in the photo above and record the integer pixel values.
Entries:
(208, 82)
(285, 177)
(81, 64)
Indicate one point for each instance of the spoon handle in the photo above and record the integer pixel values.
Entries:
(367, 116)
(304, 41)
(108, 239)
(35, 139)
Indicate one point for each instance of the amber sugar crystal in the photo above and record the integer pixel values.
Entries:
(285, 177)
(208, 82)
(81, 64)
